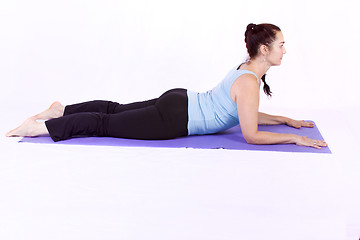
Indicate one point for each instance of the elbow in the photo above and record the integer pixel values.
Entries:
(251, 138)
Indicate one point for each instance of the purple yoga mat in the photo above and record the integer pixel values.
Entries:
(229, 139)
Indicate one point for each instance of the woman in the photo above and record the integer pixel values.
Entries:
(180, 112)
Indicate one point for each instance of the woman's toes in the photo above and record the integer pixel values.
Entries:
(24, 129)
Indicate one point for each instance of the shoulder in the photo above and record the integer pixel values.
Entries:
(246, 84)
(246, 79)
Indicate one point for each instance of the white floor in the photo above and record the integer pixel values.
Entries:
(82, 192)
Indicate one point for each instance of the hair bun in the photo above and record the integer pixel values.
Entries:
(251, 27)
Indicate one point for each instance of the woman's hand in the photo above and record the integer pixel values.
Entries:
(308, 142)
(298, 123)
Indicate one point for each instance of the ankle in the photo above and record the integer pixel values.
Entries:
(39, 129)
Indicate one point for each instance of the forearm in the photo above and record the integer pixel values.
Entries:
(267, 119)
(261, 137)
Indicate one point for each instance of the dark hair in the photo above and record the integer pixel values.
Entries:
(257, 35)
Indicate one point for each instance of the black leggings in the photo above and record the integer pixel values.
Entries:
(165, 117)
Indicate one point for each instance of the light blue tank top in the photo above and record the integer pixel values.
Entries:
(214, 110)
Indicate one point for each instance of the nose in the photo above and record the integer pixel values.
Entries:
(284, 50)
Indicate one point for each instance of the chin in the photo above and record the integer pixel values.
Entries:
(276, 64)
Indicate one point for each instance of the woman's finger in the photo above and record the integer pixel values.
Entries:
(307, 124)
(318, 144)
(315, 145)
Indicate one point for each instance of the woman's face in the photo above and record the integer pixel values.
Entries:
(277, 50)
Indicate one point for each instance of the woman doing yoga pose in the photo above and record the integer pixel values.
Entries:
(180, 112)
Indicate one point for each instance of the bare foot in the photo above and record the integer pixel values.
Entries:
(30, 128)
(54, 111)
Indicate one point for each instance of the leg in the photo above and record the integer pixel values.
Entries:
(58, 110)
(165, 119)
(106, 107)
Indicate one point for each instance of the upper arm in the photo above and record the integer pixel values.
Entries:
(245, 93)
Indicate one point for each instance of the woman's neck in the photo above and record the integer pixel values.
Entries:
(257, 66)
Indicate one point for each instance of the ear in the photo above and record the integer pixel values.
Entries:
(264, 50)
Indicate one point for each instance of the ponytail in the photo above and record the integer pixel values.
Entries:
(266, 87)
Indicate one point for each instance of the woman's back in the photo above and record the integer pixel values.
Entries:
(214, 110)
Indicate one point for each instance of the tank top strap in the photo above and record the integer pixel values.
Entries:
(247, 71)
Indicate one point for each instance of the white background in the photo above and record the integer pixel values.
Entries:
(75, 50)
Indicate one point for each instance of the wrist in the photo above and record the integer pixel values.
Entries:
(296, 138)
(284, 120)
